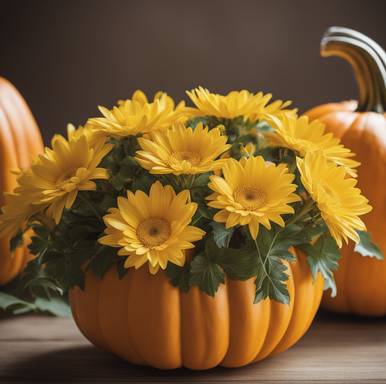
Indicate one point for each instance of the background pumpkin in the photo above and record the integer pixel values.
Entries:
(361, 126)
(20, 141)
(145, 320)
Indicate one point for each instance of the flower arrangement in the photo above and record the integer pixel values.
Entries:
(221, 190)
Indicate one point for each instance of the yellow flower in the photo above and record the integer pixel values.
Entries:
(236, 103)
(181, 150)
(137, 115)
(339, 202)
(15, 213)
(304, 136)
(152, 228)
(93, 135)
(56, 176)
(252, 192)
(248, 150)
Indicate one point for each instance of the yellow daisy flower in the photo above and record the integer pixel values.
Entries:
(138, 115)
(15, 212)
(93, 135)
(236, 103)
(182, 150)
(304, 136)
(252, 192)
(152, 228)
(56, 177)
(339, 202)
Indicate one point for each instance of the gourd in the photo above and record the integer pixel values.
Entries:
(361, 126)
(20, 141)
(145, 320)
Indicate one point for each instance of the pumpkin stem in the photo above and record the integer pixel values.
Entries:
(368, 61)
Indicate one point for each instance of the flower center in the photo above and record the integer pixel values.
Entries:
(194, 158)
(250, 197)
(153, 232)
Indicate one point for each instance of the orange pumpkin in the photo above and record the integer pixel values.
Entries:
(145, 320)
(20, 141)
(361, 281)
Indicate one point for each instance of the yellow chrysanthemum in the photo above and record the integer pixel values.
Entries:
(236, 103)
(182, 150)
(56, 177)
(15, 213)
(339, 202)
(138, 115)
(304, 136)
(93, 135)
(152, 228)
(252, 192)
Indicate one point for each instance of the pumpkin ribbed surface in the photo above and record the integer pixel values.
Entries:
(361, 280)
(145, 320)
(20, 142)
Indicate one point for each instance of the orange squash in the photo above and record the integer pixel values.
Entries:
(361, 126)
(145, 320)
(20, 141)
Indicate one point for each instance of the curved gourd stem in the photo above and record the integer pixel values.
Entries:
(368, 61)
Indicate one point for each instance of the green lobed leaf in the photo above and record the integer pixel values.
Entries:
(55, 305)
(239, 264)
(13, 304)
(221, 234)
(272, 247)
(366, 247)
(206, 274)
(179, 276)
(323, 257)
(17, 306)
(271, 281)
(16, 241)
(103, 260)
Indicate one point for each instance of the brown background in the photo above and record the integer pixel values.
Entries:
(66, 57)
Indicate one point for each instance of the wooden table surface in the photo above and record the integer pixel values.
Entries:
(336, 350)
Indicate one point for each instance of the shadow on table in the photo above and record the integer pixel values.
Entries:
(87, 363)
(325, 315)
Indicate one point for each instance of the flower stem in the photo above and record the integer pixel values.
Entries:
(303, 211)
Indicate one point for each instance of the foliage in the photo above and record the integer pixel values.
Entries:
(65, 250)
(366, 247)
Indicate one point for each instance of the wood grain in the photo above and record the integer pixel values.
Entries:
(336, 350)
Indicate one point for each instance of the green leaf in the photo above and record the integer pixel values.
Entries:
(272, 247)
(16, 241)
(323, 257)
(204, 211)
(121, 269)
(192, 123)
(38, 244)
(277, 241)
(17, 306)
(179, 276)
(221, 234)
(271, 281)
(206, 274)
(201, 180)
(239, 264)
(366, 247)
(102, 261)
(55, 305)
(14, 305)
(263, 126)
